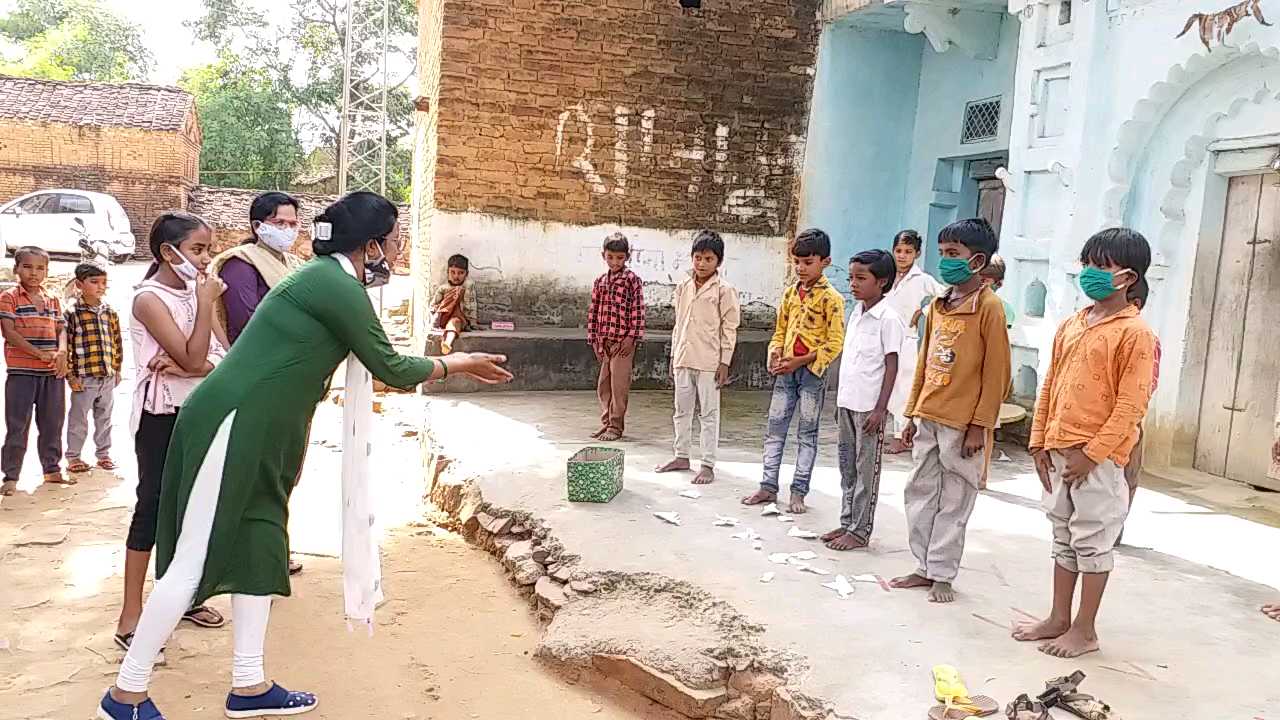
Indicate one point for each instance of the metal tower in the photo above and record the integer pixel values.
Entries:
(362, 147)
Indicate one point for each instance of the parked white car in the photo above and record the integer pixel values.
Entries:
(60, 220)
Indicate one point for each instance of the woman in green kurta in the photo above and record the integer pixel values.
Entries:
(239, 442)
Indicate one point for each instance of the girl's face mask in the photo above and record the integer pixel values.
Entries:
(377, 272)
(185, 269)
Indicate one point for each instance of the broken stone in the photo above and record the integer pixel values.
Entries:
(500, 544)
(498, 526)
(756, 685)
(582, 587)
(794, 706)
(661, 687)
(549, 592)
(541, 555)
(764, 710)
(55, 535)
(518, 551)
(743, 708)
(527, 572)
(518, 530)
(563, 573)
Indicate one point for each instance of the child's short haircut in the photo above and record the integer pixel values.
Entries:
(994, 269)
(811, 242)
(708, 241)
(84, 271)
(26, 250)
(1118, 246)
(881, 265)
(1138, 293)
(974, 233)
(461, 262)
(908, 237)
(617, 242)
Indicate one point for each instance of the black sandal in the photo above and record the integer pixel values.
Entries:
(1056, 688)
(124, 640)
(193, 616)
(1024, 708)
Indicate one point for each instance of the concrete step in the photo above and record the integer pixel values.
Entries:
(559, 359)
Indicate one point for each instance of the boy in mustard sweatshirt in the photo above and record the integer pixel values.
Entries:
(962, 376)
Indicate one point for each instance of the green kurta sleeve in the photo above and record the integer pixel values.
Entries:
(344, 308)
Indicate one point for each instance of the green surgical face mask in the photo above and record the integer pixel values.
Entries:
(955, 271)
(1098, 284)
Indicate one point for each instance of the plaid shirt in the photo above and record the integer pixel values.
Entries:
(95, 347)
(617, 308)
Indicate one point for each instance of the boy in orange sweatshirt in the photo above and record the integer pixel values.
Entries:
(1085, 427)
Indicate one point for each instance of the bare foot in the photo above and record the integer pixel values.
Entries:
(610, 436)
(1271, 611)
(705, 476)
(847, 541)
(1047, 629)
(913, 580)
(828, 537)
(1071, 644)
(673, 466)
(895, 447)
(760, 497)
(796, 506)
(941, 592)
(596, 435)
(59, 479)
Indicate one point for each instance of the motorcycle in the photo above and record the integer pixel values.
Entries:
(97, 253)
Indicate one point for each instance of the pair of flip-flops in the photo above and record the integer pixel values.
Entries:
(1061, 693)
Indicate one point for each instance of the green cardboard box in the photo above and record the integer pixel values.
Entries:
(595, 474)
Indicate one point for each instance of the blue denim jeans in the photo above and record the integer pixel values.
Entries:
(803, 391)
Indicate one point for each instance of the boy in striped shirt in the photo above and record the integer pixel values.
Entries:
(35, 351)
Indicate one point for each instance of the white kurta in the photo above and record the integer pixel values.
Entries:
(905, 298)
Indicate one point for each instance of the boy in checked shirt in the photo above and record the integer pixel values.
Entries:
(615, 326)
(93, 368)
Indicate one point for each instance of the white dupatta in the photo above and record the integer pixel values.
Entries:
(361, 563)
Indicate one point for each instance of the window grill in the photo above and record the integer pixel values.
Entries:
(981, 121)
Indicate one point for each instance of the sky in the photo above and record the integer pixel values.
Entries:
(172, 44)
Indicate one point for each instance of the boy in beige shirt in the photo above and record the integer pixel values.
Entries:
(702, 343)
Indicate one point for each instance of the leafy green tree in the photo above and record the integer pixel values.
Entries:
(304, 57)
(73, 40)
(249, 135)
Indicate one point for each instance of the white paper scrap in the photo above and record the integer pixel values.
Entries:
(780, 558)
(740, 536)
(767, 577)
(811, 569)
(805, 555)
(671, 517)
(770, 510)
(757, 545)
(786, 518)
(796, 532)
(726, 521)
(867, 578)
(841, 586)
(691, 494)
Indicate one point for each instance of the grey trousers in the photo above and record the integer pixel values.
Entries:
(45, 396)
(95, 398)
(696, 390)
(859, 455)
(939, 498)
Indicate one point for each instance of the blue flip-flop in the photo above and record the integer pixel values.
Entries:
(275, 702)
(110, 709)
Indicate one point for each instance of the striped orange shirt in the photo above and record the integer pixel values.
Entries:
(40, 326)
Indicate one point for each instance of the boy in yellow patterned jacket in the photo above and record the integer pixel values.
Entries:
(808, 338)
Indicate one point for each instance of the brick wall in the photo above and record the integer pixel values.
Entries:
(147, 171)
(227, 210)
(627, 111)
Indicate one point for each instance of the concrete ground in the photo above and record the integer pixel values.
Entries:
(1180, 629)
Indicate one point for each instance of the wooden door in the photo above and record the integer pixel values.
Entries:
(991, 202)
(1238, 405)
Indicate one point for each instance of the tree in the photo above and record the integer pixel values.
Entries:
(304, 58)
(249, 136)
(73, 40)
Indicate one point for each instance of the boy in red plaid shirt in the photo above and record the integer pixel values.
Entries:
(615, 325)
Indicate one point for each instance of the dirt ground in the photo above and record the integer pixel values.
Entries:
(453, 641)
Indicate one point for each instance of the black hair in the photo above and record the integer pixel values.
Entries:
(29, 250)
(264, 207)
(811, 242)
(708, 241)
(1138, 293)
(617, 242)
(1118, 246)
(354, 220)
(171, 228)
(908, 237)
(994, 269)
(84, 271)
(974, 233)
(460, 261)
(881, 265)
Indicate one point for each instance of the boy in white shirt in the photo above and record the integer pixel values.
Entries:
(911, 287)
(872, 344)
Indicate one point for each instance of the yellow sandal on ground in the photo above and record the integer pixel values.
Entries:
(957, 704)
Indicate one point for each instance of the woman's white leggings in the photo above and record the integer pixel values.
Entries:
(173, 593)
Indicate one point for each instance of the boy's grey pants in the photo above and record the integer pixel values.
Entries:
(95, 398)
(859, 454)
(697, 388)
(939, 499)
